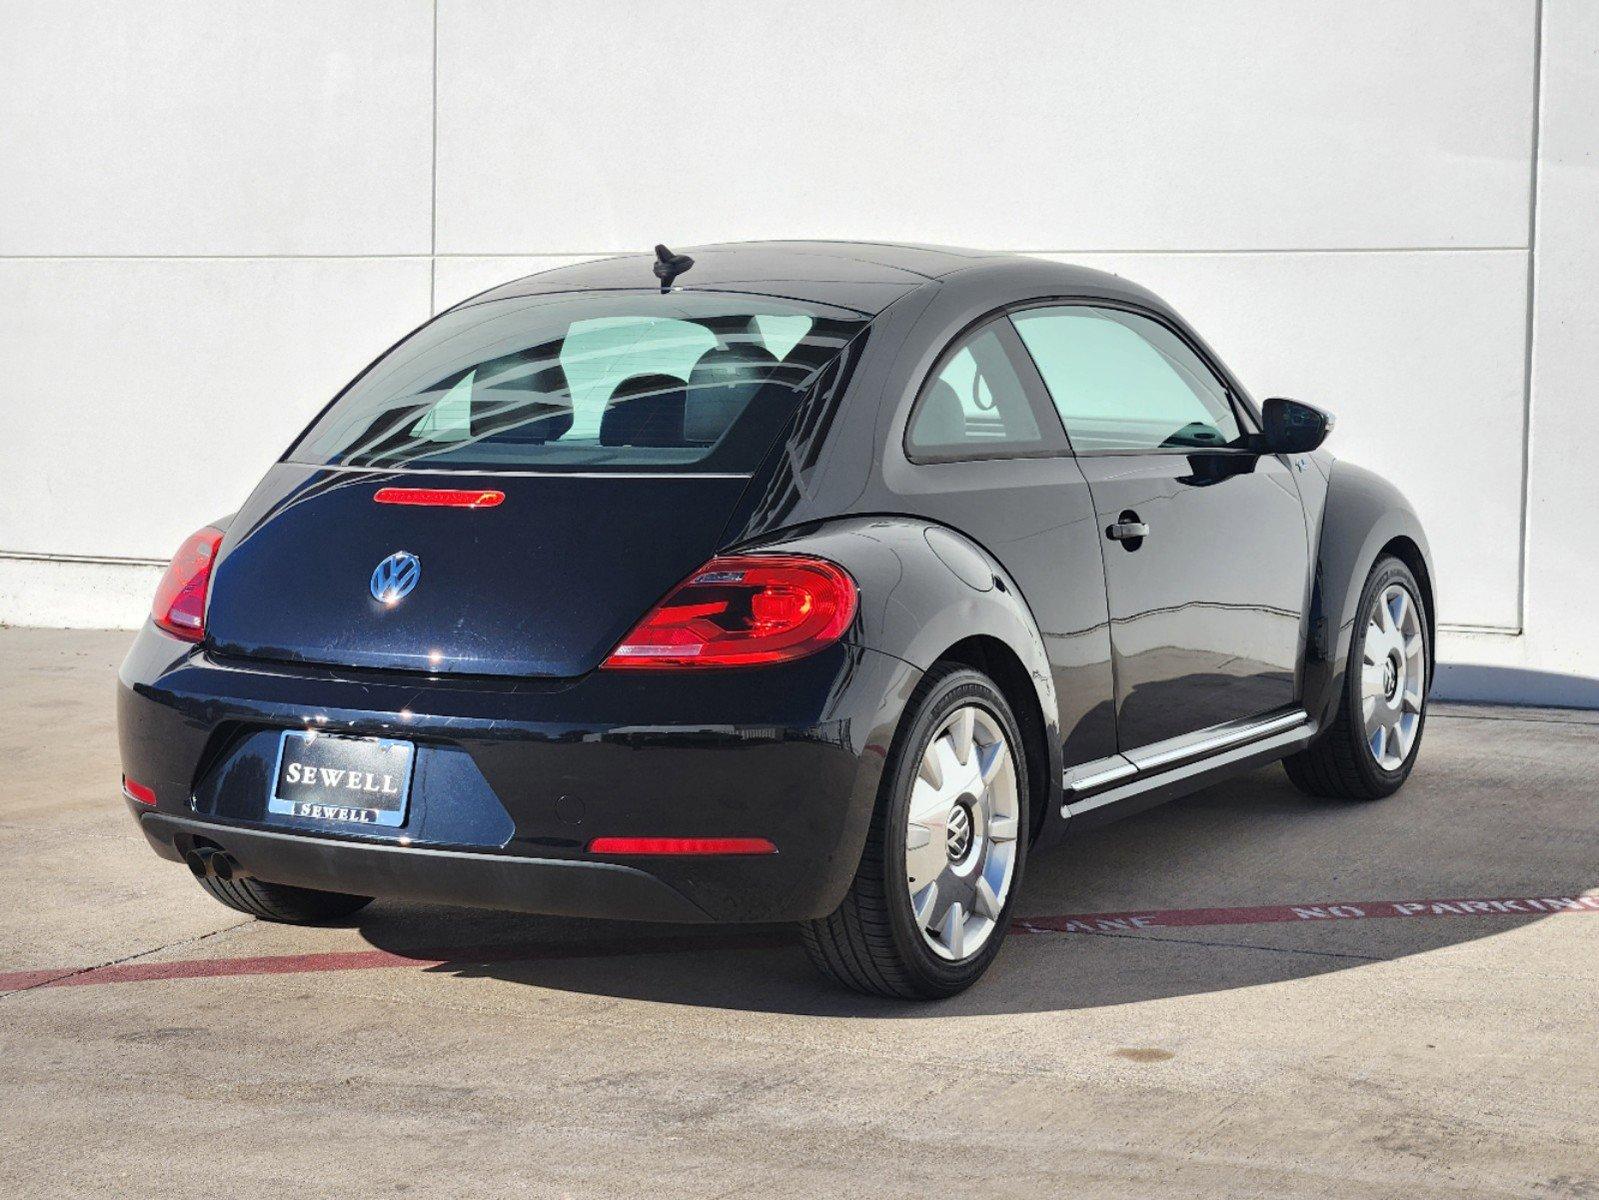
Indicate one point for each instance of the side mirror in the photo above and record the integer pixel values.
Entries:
(1292, 427)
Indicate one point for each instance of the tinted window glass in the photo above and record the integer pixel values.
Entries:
(975, 407)
(1124, 382)
(596, 381)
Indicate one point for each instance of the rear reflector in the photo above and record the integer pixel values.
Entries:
(137, 791)
(659, 845)
(743, 610)
(179, 605)
(440, 497)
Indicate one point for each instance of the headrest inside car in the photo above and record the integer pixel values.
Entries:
(644, 410)
(521, 399)
(722, 383)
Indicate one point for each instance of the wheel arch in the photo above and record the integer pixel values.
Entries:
(930, 594)
(1408, 552)
(1000, 663)
(1364, 518)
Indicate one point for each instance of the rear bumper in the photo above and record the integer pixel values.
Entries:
(515, 778)
(553, 886)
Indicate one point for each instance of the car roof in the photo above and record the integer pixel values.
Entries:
(864, 276)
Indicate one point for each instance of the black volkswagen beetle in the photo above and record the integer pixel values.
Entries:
(811, 582)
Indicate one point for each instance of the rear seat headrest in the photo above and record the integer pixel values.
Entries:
(644, 410)
(722, 383)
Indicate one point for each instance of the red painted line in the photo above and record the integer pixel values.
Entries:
(365, 960)
(266, 964)
(1104, 922)
(1119, 922)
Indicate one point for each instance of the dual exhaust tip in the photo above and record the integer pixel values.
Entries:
(208, 862)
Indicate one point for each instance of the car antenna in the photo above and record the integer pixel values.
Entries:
(669, 266)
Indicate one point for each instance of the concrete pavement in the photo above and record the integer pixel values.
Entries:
(1425, 1054)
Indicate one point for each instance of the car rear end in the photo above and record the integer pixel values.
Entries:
(480, 638)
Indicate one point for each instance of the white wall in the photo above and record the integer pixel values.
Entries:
(211, 215)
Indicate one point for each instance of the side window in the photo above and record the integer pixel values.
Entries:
(1124, 382)
(975, 406)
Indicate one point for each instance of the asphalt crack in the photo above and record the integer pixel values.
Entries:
(53, 980)
(1145, 937)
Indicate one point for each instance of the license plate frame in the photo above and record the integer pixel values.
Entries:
(350, 782)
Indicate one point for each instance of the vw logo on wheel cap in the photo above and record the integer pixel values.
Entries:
(958, 833)
(395, 576)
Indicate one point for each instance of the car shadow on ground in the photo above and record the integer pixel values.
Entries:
(1248, 842)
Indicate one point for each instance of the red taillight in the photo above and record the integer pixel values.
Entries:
(743, 610)
(440, 497)
(137, 791)
(662, 845)
(179, 606)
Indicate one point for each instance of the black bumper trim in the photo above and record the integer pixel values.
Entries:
(548, 886)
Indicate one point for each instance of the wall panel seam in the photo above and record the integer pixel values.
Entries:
(108, 560)
(1285, 250)
(1531, 313)
(433, 212)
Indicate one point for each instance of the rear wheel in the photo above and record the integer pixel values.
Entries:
(1370, 748)
(933, 894)
(280, 902)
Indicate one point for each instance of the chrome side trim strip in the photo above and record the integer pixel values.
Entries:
(1089, 775)
(1129, 791)
(1151, 759)
(1123, 768)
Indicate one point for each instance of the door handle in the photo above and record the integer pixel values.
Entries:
(1127, 530)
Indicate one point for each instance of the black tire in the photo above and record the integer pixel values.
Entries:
(280, 902)
(871, 943)
(1339, 764)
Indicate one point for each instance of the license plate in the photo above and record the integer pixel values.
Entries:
(345, 780)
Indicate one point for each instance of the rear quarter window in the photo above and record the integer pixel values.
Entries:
(975, 405)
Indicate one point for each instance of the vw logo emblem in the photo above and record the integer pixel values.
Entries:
(395, 576)
(958, 833)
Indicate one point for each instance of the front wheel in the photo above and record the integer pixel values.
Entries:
(1371, 746)
(933, 894)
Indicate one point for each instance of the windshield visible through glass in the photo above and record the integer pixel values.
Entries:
(596, 381)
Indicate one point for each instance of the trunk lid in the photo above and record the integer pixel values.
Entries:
(543, 584)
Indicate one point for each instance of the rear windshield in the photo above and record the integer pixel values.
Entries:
(595, 381)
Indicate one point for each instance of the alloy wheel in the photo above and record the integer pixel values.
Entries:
(1393, 676)
(960, 837)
